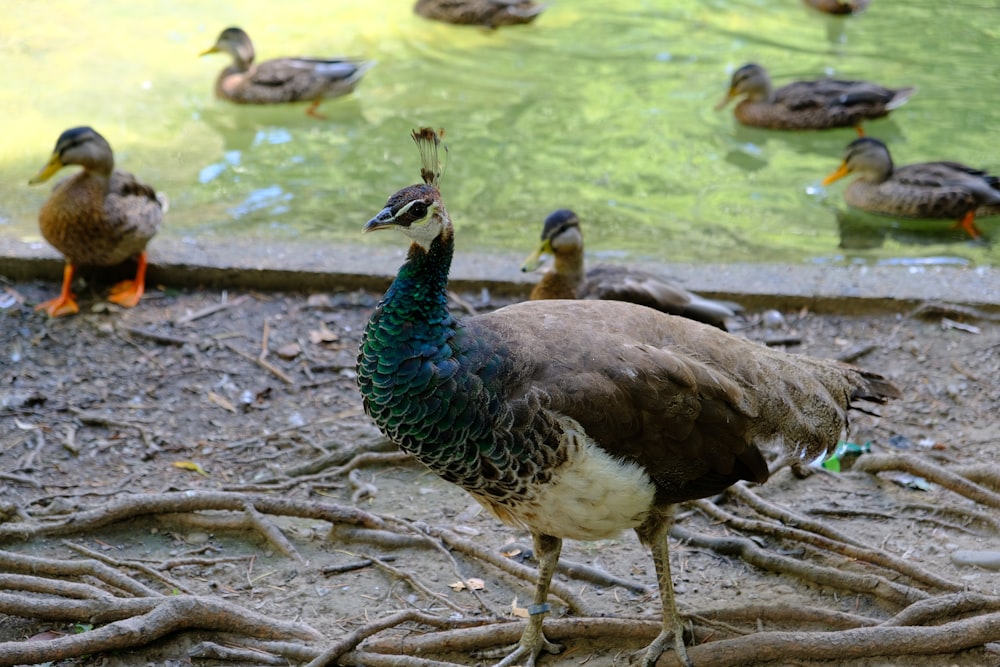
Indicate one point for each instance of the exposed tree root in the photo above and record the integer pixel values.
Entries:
(129, 507)
(869, 584)
(130, 613)
(135, 622)
(874, 556)
(843, 645)
(875, 463)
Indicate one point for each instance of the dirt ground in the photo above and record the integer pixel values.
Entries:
(254, 393)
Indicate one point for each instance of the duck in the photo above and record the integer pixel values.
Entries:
(100, 216)
(808, 105)
(488, 13)
(562, 237)
(839, 7)
(577, 419)
(923, 190)
(282, 80)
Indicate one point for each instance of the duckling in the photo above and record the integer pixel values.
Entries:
(489, 13)
(922, 190)
(99, 217)
(284, 79)
(579, 419)
(808, 105)
(563, 239)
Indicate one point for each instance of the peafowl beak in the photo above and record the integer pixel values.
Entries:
(837, 175)
(384, 219)
(54, 165)
(534, 260)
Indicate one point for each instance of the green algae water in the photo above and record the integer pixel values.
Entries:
(602, 107)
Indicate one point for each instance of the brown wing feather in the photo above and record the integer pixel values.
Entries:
(928, 190)
(688, 402)
(823, 103)
(290, 80)
(93, 226)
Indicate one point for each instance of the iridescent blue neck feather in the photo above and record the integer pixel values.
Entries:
(431, 382)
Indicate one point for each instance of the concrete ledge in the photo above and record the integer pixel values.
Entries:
(292, 266)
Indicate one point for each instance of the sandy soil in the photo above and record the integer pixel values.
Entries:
(175, 395)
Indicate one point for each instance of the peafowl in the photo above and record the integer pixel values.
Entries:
(563, 239)
(577, 419)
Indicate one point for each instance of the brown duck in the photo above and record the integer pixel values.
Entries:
(579, 419)
(99, 217)
(808, 105)
(489, 13)
(562, 238)
(282, 80)
(923, 190)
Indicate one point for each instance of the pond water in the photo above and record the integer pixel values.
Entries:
(602, 107)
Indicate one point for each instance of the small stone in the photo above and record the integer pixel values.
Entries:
(772, 319)
(989, 560)
(289, 351)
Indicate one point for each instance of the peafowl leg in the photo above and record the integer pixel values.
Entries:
(65, 303)
(654, 533)
(128, 292)
(968, 223)
(533, 641)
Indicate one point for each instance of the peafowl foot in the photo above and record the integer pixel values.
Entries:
(525, 652)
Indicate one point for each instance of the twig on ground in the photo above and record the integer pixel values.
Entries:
(156, 336)
(141, 567)
(263, 363)
(414, 583)
(589, 573)
(875, 463)
(557, 588)
(331, 570)
(20, 479)
(210, 310)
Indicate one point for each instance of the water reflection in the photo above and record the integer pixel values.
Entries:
(601, 107)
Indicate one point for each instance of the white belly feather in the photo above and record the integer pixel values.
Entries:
(591, 496)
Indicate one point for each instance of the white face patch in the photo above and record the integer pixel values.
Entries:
(426, 230)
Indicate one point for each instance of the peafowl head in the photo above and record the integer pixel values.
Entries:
(417, 210)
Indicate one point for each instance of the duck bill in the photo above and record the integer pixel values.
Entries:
(721, 104)
(213, 49)
(837, 175)
(534, 260)
(383, 220)
(54, 165)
